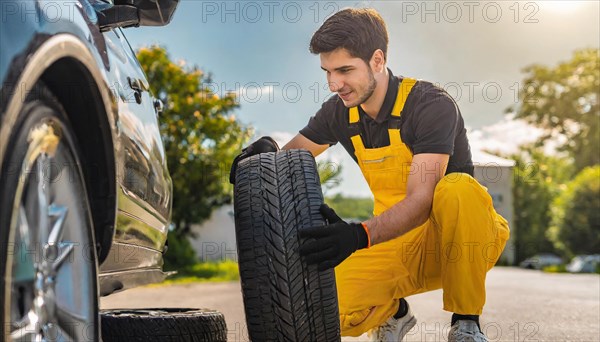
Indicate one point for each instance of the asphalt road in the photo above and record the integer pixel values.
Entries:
(522, 305)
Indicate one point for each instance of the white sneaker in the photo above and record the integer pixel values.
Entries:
(393, 330)
(466, 331)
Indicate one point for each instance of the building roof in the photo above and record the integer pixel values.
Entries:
(485, 159)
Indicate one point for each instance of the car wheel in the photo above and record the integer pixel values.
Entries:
(284, 298)
(157, 325)
(47, 255)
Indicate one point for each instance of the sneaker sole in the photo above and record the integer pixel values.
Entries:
(406, 328)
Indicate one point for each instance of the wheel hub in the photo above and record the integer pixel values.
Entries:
(49, 294)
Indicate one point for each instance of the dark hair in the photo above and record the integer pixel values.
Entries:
(361, 31)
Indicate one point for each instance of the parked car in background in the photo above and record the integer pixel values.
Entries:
(85, 194)
(584, 264)
(539, 261)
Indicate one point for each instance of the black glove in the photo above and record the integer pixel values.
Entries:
(262, 145)
(329, 245)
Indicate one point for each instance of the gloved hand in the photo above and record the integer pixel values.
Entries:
(331, 244)
(262, 145)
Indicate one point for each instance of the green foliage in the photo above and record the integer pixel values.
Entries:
(180, 254)
(565, 100)
(537, 180)
(350, 207)
(200, 134)
(226, 270)
(576, 215)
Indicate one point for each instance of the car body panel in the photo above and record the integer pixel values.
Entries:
(32, 40)
(584, 264)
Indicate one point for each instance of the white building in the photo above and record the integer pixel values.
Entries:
(215, 238)
(496, 174)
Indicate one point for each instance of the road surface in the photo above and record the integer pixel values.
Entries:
(522, 305)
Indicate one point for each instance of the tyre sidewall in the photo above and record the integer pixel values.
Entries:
(164, 324)
(39, 105)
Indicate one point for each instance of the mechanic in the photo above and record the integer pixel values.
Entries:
(434, 225)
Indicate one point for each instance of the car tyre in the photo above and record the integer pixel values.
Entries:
(48, 259)
(275, 195)
(165, 324)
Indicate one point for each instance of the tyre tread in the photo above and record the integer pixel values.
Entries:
(285, 300)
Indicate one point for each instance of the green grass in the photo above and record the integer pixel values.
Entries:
(205, 272)
(555, 269)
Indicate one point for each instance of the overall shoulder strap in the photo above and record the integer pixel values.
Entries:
(404, 90)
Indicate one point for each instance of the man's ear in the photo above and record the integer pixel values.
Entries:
(377, 61)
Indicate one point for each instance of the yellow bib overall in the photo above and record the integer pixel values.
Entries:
(453, 250)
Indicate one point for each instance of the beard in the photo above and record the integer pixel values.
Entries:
(370, 89)
(366, 93)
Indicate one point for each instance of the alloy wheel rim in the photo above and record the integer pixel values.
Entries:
(51, 293)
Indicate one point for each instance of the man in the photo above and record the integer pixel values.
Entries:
(434, 225)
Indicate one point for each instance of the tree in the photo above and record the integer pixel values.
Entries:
(200, 134)
(565, 100)
(537, 180)
(576, 215)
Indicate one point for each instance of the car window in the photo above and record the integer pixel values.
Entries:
(124, 38)
(100, 5)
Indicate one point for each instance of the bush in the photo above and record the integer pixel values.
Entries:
(538, 179)
(576, 215)
(180, 254)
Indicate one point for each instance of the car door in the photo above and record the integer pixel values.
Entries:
(144, 189)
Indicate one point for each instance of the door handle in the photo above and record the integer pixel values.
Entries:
(138, 87)
(137, 84)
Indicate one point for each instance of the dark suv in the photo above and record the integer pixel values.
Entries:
(85, 194)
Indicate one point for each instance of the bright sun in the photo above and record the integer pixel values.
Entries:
(560, 5)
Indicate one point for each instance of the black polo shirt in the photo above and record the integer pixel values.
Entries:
(430, 123)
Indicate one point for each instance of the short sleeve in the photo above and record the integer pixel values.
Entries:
(318, 129)
(435, 120)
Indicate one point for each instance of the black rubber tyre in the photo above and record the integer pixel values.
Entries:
(284, 299)
(48, 282)
(156, 325)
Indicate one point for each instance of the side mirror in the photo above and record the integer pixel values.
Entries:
(134, 13)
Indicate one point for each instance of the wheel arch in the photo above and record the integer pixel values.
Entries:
(78, 93)
(64, 60)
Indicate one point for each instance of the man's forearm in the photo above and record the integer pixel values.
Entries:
(302, 142)
(401, 218)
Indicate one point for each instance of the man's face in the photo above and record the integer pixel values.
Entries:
(348, 76)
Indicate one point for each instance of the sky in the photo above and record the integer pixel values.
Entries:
(476, 50)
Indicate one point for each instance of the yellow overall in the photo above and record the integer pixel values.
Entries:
(453, 250)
